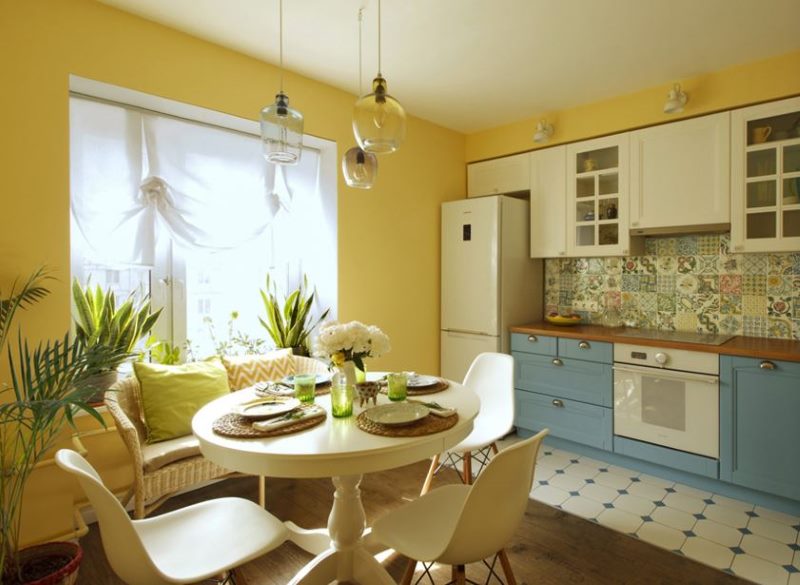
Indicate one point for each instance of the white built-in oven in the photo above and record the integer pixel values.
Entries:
(667, 397)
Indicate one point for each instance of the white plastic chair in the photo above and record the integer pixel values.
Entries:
(491, 377)
(462, 524)
(185, 546)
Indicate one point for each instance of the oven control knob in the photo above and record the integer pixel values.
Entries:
(661, 358)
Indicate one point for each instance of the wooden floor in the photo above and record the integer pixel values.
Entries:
(551, 547)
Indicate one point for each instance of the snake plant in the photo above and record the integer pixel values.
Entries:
(288, 322)
(98, 320)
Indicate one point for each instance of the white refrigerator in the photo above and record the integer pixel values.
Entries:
(489, 281)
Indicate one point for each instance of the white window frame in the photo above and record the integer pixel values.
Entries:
(168, 275)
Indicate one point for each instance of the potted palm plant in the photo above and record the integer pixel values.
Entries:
(99, 321)
(289, 322)
(49, 383)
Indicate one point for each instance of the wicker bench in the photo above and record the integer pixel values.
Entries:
(161, 470)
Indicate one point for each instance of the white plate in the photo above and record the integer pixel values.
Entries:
(266, 407)
(402, 413)
(321, 379)
(418, 381)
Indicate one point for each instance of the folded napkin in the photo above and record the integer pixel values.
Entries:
(274, 389)
(298, 414)
(437, 409)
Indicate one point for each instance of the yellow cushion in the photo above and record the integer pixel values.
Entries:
(244, 371)
(171, 395)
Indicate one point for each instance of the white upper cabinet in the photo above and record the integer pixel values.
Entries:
(548, 181)
(680, 175)
(509, 174)
(597, 197)
(765, 177)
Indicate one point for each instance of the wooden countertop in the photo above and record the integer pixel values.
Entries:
(755, 347)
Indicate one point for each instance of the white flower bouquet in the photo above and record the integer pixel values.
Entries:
(353, 341)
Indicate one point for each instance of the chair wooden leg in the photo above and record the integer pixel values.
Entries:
(408, 574)
(510, 580)
(494, 448)
(467, 463)
(262, 491)
(459, 575)
(429, 478)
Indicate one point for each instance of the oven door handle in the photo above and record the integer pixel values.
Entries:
(671, 374)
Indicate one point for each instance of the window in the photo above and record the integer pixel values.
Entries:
(191, 214)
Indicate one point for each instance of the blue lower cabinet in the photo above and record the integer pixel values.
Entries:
(584, 381)
(566, 419)
(580, 349)
(541, 344)
(760, 424)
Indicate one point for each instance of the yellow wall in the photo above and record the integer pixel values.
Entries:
(770, 79)
(388, 236)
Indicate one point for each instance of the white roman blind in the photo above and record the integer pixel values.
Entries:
(209, 187)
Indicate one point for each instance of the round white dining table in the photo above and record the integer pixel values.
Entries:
(338, 449)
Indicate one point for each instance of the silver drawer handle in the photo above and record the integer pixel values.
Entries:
(558, 403)
(557, 362)
(766, 365)
(584, 345)
(533, 338)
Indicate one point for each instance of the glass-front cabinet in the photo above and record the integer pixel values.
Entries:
(597, 197)
(765, 177)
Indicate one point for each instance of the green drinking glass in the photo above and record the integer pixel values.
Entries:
(398, 386)
(342, 400)
(304, 387)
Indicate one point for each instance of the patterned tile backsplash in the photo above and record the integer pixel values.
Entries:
(688, 283)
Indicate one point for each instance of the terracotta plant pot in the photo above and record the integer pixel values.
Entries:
(53, 563)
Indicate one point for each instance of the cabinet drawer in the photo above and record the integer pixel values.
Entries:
(564, 378)
(566, 419)
(594, 351)
(541, 344)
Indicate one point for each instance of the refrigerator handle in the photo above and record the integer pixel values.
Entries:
(468, 332)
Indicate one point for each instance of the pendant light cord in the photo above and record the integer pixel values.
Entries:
(280, 38)
(360, 82)
(379, 38)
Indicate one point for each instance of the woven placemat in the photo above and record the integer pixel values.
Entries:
(233, 425)
(438, 387)
(426, 426)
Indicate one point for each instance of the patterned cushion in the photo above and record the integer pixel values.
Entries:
(244, 371)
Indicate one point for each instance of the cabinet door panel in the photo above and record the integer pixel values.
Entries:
(509, 174)
(680, 173)
(574, 421)
(548, 202)
(765, 177)
(578, 380)
(541, 344)
(597, 197)
(760, 435)
(579, 349)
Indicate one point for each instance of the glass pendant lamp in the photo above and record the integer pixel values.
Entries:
(281, 125)
(360, 169)
(379, 121)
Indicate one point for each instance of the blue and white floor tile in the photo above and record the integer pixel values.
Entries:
(736, 537)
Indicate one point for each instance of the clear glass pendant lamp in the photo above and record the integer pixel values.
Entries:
(379, 121)
(360, 169)
(281, 125)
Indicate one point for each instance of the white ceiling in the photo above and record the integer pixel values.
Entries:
(474, 64)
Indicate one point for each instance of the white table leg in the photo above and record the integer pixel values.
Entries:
(346, 560)
(346, 522)
(314, 541)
